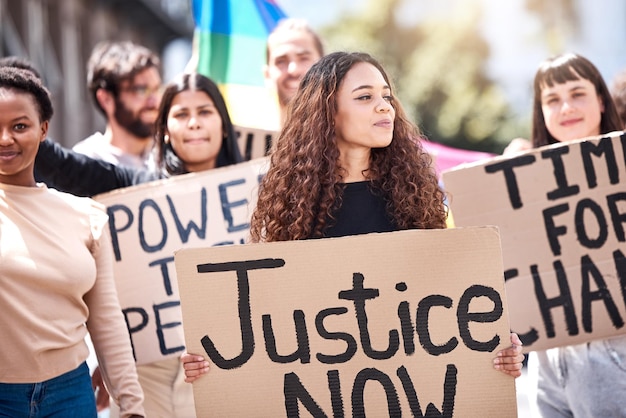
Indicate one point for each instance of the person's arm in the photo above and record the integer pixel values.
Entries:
(517, 146)
(106, 324)
(75, 173)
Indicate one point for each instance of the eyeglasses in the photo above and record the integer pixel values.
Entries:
(143, 91)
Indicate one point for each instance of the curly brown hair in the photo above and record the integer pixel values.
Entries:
(303, 186)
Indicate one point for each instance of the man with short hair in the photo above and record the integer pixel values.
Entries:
(292, 48)
(124, 82)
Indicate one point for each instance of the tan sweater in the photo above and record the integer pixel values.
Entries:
(56, 283)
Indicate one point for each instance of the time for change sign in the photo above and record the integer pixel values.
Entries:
(561, 210)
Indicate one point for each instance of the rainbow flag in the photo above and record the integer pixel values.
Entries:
(229, 46)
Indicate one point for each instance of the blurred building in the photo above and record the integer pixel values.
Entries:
(57, 36)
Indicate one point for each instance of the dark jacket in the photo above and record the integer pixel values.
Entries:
(75, 173)
(78, 174)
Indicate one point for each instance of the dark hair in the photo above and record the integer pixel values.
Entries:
(169, 163)
(111, 63)
(561, 69)
(618, 91)
(19, 62)
(25, 81)
(303, 186)
(294, 24)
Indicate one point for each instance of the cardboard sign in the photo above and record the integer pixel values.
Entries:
(396, 324)
(254, 143)
(149, 222)
(561, 211)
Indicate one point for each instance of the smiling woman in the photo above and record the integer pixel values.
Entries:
(42, 232)
(572, 101)
(572, 110)
(24, 122)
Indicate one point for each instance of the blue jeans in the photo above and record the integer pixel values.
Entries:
(67, 396)
(583, 381)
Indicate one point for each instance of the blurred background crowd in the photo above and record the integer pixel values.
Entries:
(462, 68)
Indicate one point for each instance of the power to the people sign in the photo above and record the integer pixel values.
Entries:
(561, 210)
(150, 221)
(381, 325)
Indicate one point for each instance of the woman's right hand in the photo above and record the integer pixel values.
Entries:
(195, 366)
(517, 146)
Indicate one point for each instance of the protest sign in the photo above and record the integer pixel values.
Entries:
(150, 221)
(393, 324)
(254, 143)
(561, 210)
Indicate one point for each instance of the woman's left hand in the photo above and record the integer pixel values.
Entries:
(510, 359)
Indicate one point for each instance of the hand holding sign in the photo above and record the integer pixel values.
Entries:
(195, 366)
(508, 361)
(310, 331)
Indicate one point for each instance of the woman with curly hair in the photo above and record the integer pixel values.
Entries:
(348, 162)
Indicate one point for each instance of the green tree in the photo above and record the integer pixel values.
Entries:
(439, 72)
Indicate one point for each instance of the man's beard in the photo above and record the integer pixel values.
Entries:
(132, 123)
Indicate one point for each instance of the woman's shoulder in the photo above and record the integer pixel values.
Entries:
(85, 210)
(80, 204)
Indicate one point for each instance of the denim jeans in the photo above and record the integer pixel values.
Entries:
(583, 381)
(67, 396)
